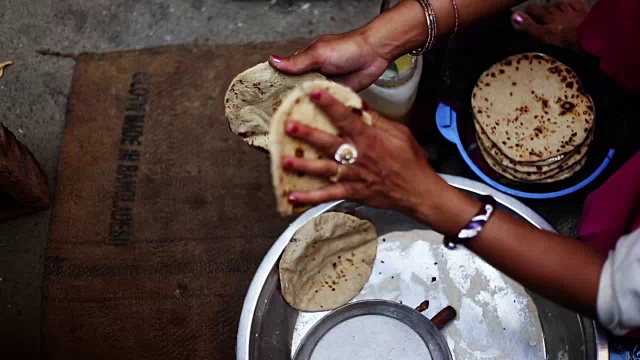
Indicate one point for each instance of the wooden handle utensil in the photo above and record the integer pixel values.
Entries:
(443, 317)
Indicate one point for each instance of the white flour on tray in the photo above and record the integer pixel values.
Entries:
(496, 318)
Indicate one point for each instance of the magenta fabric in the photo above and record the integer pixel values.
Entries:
(611, 31)
(614, 209)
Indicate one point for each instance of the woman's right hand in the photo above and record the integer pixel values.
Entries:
(391, 172)
(350, 59)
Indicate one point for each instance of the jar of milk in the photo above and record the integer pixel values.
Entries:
(394, 93)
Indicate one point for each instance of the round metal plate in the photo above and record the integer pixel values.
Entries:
(394, 339)
(270, 329)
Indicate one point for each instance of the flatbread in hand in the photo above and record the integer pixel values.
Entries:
(254, 96)
(298, 106)
(327, 262)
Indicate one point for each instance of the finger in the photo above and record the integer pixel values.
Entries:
(304, 48)
(304, 61)
(552, 9)
(347, 120)
(357, 81)
(576, 5)
(320, 140)
(321, 168)
(333, 192)
(538, 12)
(352, 81)
(386, 125)
(524, 22)
(362, 78)
(564, 7)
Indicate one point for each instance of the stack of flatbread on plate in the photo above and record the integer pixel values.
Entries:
(533, 120)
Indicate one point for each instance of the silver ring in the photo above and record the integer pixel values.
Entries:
(346, 154)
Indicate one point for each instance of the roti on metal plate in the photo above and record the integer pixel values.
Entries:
(327, 262)
(533, 108)
(254, 96)
(298, 106)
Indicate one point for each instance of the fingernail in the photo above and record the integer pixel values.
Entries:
(293, 199)
(276, 59)
(518, 19)
(365, 106)
(292, 128)
(288, 164)
(316, 95)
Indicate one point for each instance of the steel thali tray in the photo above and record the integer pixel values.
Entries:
(515, 322)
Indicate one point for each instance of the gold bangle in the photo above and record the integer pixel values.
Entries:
(431, 28)
(455, 11)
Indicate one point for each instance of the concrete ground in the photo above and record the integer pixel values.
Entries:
(34, 91)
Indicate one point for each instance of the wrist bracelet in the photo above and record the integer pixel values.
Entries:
(455, 12)
(431, 28)
(475, 225)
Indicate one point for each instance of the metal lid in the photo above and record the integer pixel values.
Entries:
(372, 330)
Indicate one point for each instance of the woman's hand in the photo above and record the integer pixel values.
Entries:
(358, 58)
(391, 170)
(350, 59)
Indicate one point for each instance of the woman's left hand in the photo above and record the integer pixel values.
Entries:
(391, 170)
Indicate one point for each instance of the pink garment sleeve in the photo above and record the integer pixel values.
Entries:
(611, 32)
(613, 210)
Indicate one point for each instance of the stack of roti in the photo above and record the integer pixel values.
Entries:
(534, 122)
(327, 262)
(254, 96)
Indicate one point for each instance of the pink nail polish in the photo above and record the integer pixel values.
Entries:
(518, 19)
(288, 164)
(316, 95)
(276, 59)
(293, 128)
(293, 199)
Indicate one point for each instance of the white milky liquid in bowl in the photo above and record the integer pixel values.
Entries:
(371, 337)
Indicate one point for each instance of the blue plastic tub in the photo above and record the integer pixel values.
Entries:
(597, 161)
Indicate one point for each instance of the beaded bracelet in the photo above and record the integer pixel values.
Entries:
(475, 226)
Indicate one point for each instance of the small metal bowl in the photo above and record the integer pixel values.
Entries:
(394, 339)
